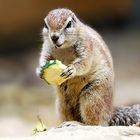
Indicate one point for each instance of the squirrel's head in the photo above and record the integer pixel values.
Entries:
(60, 27)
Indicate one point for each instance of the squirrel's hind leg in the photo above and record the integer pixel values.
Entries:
(96, 103)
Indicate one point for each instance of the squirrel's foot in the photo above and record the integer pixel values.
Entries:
(69, 72)
(39, 72)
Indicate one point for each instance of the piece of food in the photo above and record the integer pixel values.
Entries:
(52, 71)
(40, 127)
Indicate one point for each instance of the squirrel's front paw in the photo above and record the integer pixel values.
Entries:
(39, 72)
(70, 71)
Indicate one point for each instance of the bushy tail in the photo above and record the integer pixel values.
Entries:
(125, 116)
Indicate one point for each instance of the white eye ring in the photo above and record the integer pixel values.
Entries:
(45, 26)
(69, 25)
(69, 29)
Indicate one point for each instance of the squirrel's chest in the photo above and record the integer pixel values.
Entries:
(66, 55)
(71, 89)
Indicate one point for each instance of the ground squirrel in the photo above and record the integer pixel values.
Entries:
(87, 95)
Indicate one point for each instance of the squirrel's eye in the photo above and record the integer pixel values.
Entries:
(45, 25)
(68, 25)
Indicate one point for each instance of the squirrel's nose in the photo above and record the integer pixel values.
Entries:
(54, 38)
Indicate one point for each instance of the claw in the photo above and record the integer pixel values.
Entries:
(68, 75)
(67, 72)
(63, 74)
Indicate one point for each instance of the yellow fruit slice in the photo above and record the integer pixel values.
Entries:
(52, 71)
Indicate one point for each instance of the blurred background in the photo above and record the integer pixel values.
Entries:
(22, 94)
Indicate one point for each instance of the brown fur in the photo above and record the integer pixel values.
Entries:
(87, 95)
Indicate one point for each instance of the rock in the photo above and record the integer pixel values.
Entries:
(80, 132)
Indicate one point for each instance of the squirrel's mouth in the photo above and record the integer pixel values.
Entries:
(58, 45)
